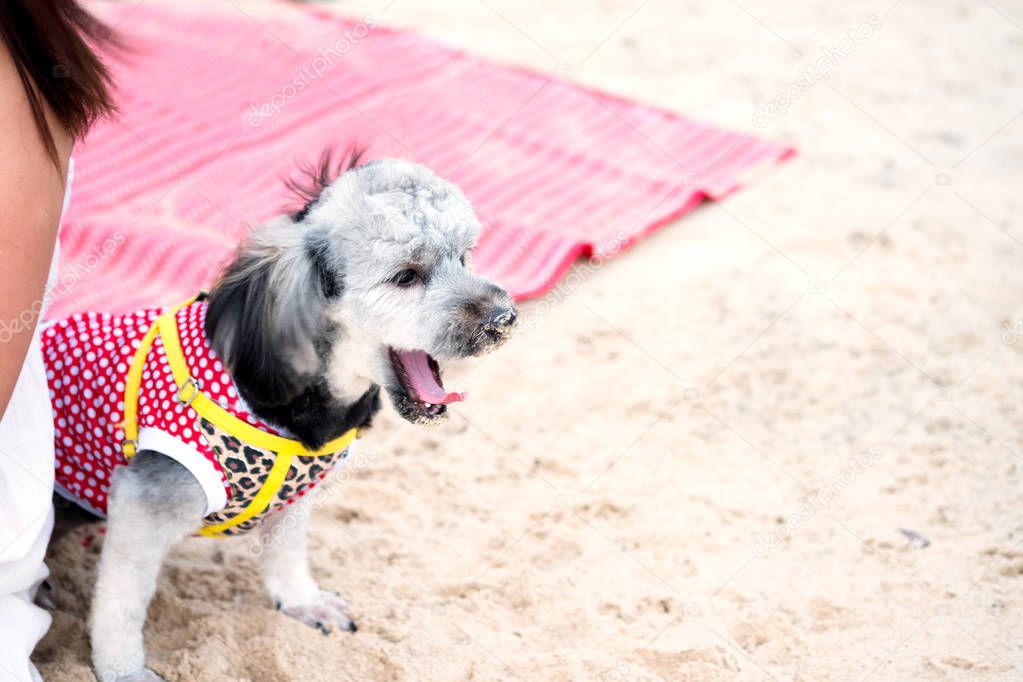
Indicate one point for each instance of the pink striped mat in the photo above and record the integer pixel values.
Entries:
(218, 105)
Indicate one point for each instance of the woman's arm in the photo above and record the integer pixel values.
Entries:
(31, 196)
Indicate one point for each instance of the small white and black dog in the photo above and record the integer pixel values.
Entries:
(316, 313)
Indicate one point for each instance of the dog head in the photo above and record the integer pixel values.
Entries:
(368, 284)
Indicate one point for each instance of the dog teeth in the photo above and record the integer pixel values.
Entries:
(428, 405)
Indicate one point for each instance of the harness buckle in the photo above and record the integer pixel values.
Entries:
(184, 396)
(130, 447)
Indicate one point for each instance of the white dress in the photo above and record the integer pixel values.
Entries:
(26, 510)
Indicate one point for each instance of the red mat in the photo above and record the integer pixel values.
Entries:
(218, 105)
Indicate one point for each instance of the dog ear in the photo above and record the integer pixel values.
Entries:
(266, 313)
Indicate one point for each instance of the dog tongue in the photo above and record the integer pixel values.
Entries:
(424, 383)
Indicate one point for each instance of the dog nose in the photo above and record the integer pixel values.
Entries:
(501, 318)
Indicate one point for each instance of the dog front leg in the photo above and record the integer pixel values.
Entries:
(153, 502)
(286, 574)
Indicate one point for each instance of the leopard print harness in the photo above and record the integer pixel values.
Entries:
(247, 468)
(264, 471)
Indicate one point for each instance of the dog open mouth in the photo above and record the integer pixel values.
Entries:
(419, 376)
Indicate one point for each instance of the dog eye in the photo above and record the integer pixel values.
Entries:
(406, 278)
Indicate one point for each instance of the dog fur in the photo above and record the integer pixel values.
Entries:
(305, 318)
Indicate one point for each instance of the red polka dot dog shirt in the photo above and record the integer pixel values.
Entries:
(246, 468)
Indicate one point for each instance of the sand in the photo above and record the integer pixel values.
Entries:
(779, 439)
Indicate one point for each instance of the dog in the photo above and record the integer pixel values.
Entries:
(367, 286)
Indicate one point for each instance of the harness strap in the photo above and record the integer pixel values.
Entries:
(131, 387)
(189, 394)
(259, 503)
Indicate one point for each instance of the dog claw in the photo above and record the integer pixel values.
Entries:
(43, 596)
(322, 613)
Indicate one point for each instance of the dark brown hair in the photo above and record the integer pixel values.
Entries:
(51, 42)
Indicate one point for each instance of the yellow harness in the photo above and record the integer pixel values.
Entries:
(190, 395)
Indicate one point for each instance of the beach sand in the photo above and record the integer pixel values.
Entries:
(779, 439)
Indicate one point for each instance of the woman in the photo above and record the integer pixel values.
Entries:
(52, 88)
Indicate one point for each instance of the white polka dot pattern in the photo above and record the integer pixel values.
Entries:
(87, 357)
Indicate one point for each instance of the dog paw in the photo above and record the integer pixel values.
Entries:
(324, 612)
